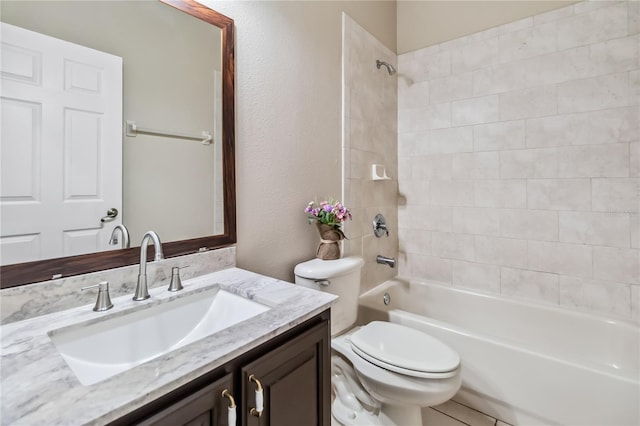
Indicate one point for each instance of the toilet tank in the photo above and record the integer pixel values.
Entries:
(340, 277)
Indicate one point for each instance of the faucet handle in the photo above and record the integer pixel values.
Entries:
(176, 281)
(380, 226)
(103, 302)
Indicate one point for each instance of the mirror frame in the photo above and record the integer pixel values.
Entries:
(44, 270)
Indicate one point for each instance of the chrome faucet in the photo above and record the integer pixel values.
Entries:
(125, 236)
(390, 261)
(142, 291)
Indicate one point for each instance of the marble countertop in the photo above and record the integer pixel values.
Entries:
(38, 387)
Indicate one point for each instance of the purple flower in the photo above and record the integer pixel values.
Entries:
(327, 212)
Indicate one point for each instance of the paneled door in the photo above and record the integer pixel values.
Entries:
(60, 147)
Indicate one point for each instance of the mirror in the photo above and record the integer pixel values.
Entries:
(175, 241)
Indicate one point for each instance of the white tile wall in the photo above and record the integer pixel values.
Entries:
(450, 140)
(635, 302)
(499, 136)
(528, 42)
(475, 165)
(475, 110)
(635, 230)
(558, 130)
(501, 251)
(499, 78)
(595, 93)
(508, 193)
(595, 295)
(476, 276)
(432, 218)
(452, 246)
(519, 159)
(560, 258)
(476, 221)
(527, 103)
(370, 137)
(619, 195)
(594, 228)
(429, 267)
(529, 224)
(529, 284)
(450, 88)
(559, 194)
(589, 26)
(634, 168)
(452, 192)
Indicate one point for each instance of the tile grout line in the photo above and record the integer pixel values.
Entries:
(450, 416)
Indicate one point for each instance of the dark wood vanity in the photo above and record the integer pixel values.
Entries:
(294, 372)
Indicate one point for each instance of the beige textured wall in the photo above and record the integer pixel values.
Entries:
(288, 120)
(425, 23)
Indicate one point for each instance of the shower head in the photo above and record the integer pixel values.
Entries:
(390, 69)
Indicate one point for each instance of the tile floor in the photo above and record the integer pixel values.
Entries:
(452, 413)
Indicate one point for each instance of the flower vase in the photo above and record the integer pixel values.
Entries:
(330, 236)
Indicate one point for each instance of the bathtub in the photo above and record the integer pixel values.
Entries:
(524, 363)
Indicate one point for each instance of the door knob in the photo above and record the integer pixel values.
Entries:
(112, 213)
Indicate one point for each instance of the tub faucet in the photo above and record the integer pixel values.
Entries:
(390, 261)
(142, 291)
(125, 236)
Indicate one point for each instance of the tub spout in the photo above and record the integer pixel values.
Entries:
(390, 261)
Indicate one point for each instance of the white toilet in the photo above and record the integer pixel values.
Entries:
(403, 369)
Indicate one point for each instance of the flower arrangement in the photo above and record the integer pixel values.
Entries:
(327, 212)
(328, 216)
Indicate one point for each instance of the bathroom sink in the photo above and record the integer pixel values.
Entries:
(103, 349)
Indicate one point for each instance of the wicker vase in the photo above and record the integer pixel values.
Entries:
(329, 247)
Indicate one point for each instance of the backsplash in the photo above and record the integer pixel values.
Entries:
(27, 301)
(519, 159)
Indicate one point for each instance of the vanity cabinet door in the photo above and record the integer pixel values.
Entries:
(206, 407)
(295, 382)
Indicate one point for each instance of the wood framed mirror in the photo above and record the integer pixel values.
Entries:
(16, 274)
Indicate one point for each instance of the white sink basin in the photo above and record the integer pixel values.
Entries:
(98, 351)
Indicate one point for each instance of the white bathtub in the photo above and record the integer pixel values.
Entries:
(526, 364)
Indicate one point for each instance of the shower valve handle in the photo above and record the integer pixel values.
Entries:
(380, 226)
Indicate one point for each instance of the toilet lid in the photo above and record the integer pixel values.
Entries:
(404, 349)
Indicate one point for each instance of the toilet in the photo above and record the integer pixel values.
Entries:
(391, 371)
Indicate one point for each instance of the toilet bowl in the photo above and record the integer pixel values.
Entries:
(400, 368)
(400, 365)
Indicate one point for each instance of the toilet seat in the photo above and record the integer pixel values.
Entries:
(405, 350)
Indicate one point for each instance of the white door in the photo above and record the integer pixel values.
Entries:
(60, 146)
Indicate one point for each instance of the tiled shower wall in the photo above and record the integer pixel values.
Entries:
(370, 137)
(519, 159)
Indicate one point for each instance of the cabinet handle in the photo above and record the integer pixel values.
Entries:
(257, 412)
(231, 414)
